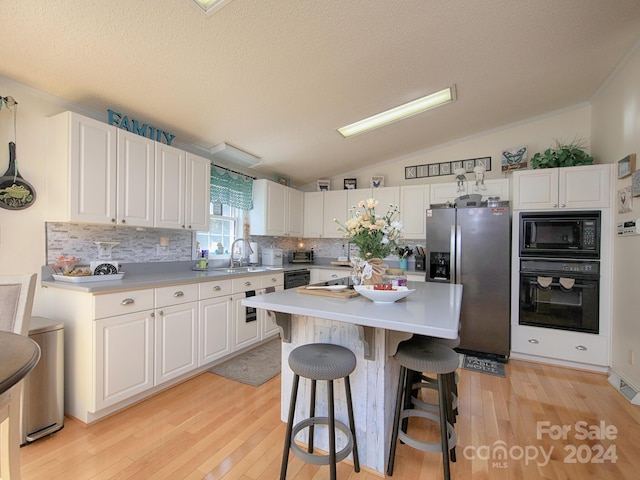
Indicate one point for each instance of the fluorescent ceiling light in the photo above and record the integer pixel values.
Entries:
(209, 6)
(398, 113)
(228, 153)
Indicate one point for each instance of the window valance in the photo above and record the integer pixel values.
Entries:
(231, 189)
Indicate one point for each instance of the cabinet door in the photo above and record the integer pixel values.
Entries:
(414, 202)
(215, 329)
(176, 329)
(325, 275)
(446, 192)
(246, 331)
(197, 191)
(124, 357)
(268, 216)
(354, 197)
(386, 197)
(267, 321)
(170, 187)
(295, 206)
(92, 188)
(334, 207)
(584, 187)
(136, 177)
(313, 214)
(535, 189)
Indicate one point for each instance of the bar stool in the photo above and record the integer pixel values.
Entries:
(321, 361)
(451, 379)
(421, 356)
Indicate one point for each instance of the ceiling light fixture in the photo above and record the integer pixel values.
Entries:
(209, 6)
(398, 113)
(228, 153)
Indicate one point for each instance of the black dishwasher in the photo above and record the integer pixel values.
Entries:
(296, 278)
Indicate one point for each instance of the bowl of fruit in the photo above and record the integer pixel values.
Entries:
(384, 293)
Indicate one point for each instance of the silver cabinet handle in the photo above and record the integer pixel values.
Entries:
(161, 312)
(247, 284)
(179, 293)
(334, 275)
(533, 340)
(274, 279)
(555, 205)
(217, 288)
(582, 348)
(127, 301)
(153, 314)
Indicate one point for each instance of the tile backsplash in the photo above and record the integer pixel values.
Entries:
(141, 245)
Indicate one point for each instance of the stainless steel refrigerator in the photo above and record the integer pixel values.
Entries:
(471, 246)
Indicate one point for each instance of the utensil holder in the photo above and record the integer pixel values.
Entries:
(420, 263)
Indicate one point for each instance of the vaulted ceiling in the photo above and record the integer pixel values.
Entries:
(277, 77)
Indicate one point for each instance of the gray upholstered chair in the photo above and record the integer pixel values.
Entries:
(16, 302)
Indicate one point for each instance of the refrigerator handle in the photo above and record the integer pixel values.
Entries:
(452, 249)
(458, 254)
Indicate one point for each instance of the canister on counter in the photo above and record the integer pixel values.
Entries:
(396, 277)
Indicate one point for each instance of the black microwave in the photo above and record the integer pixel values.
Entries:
(571, 234)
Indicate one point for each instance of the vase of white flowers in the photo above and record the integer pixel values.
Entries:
(376, 237)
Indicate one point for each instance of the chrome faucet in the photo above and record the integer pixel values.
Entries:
(233, 245)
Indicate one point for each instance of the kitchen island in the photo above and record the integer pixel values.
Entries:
(372, 332)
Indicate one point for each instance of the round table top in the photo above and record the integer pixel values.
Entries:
(18, 355)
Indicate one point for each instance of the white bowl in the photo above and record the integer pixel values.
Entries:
(382, 296)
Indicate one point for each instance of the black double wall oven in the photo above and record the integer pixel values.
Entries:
(560, 270)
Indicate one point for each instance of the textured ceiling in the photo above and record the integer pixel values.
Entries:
(277, 77)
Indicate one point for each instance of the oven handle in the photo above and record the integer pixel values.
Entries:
(556, 284)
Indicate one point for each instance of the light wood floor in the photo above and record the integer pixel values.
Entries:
(211, 428)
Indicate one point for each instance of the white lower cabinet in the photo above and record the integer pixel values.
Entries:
(326, 274)
(216, 315)
(123, 346)
(176, 329)
(124, 358)
(266, 320)
(560, 344)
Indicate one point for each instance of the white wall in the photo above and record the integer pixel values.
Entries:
(22, 232)
(536, 133)
(616, 134)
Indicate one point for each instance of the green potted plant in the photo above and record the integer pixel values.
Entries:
(562, 155)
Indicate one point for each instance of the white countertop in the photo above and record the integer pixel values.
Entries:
(433, 309)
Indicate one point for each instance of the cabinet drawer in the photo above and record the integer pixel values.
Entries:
(176, 294)
(112, 304)
(272, 280)
(561, 345)
(244, 284)
(218, 288)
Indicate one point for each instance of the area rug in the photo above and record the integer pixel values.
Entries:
(253, 367)
(483, 365)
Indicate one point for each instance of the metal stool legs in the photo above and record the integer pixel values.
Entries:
(403, 412)
(333, 457)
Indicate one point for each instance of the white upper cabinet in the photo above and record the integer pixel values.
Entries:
(170, 187)
(197, 193)
(295, 212)
(334, 207)
(81, 183)
(136, 179)
(414, 202)
(313, 214)
(101, 174)
(448, 192)
(277, 209)
(569, 187)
